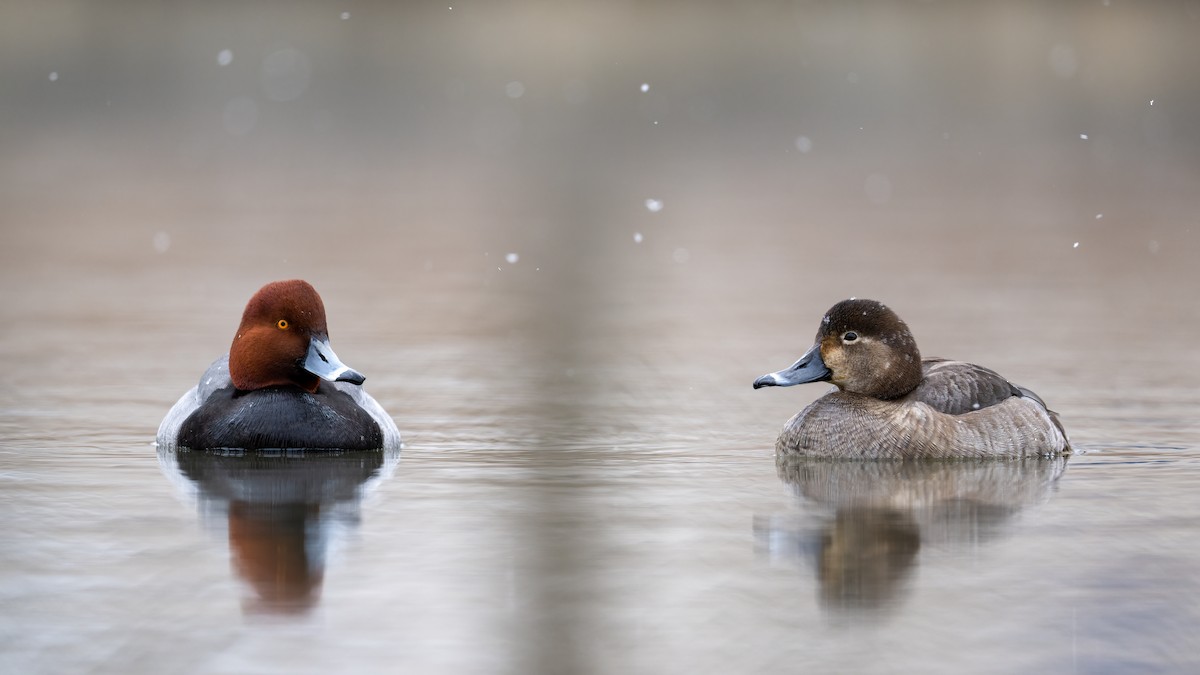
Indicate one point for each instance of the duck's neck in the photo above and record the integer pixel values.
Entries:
(899, 377)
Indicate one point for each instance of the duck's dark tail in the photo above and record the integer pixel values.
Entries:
(1053, 416)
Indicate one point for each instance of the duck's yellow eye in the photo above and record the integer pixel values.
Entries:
(282, 324)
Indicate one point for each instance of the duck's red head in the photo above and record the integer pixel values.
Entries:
(283, 340)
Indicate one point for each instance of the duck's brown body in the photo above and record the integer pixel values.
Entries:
(846, 425)
(891, 404)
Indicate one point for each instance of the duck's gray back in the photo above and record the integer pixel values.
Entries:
(957, 387)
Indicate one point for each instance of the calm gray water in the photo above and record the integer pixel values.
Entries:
(588, 482)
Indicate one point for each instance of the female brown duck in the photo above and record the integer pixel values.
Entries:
(891, 403)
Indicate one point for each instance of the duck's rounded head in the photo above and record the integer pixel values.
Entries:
(862, 347)
(283, 340)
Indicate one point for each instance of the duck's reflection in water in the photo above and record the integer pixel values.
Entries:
(864, 555)
(874, 517)
(283, 510)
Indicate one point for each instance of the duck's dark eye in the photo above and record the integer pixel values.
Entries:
(849, 336)
(282, 324)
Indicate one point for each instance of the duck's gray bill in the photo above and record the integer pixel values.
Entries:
(322, 362)
(810, 368)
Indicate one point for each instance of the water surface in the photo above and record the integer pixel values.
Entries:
(588, 482)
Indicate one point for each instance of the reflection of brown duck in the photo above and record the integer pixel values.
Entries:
(279, 508)
(864, 554)
(933, 490)
(270, 549)
(883, 512)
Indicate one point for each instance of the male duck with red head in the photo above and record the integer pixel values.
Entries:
(892, 404)
(280, 386)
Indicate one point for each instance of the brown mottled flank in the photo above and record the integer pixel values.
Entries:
(891, 404)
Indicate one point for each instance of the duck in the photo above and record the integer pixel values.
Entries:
(281, 386)
(889, 403)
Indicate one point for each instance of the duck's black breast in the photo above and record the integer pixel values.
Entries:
(957, 387)
(279, 417)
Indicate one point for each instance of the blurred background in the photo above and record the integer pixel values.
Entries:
(561, 240)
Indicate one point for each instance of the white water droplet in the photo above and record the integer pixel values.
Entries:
(224, 57)
(645, 87)
(654, 205)
(1099, 216)
(1076, 245)
(162, 242)
(803, 144)
(54, 76)
(1151, 101)
(637, 237)
(1083, 136)
(512, 258)
(345, 16)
